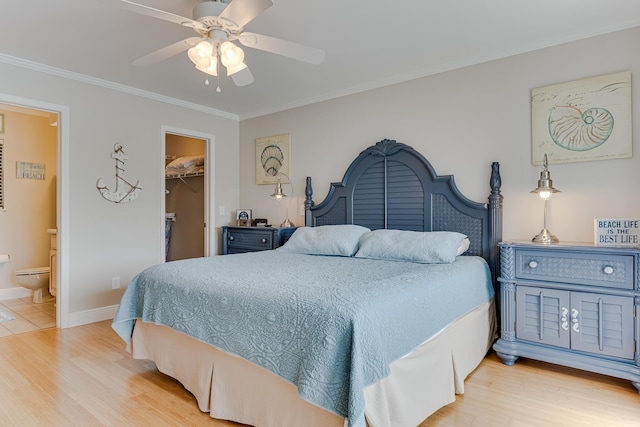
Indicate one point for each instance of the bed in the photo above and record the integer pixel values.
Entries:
(373, 314)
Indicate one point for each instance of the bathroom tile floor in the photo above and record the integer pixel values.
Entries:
(29, 316)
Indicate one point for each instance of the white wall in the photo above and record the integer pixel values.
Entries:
(108, 239)
(461, 121)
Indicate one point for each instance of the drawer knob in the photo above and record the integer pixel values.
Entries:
(231, 237)
(608, 270)
(263, 240)
(533, 264)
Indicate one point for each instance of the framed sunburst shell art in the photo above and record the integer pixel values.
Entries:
(273, 156)
(582, 120)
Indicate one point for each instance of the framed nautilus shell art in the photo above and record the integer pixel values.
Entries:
(582, 120)
(273, 157)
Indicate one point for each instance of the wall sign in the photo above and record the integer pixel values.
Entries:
(616, 232)
(27, 170)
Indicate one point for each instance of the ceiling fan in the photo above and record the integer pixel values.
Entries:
(219, 24)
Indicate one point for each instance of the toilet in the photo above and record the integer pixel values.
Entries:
(36, 279)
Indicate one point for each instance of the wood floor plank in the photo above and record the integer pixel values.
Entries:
(82, 376)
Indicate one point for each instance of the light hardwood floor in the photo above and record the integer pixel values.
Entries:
(83, 377)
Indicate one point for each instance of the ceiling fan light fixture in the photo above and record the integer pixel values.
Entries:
(219, 23)
(201, 54)
(212, 69)
(231, 55)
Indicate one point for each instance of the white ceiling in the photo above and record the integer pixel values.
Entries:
(369, 43)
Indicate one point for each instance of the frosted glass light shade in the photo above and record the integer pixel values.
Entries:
(231, 55)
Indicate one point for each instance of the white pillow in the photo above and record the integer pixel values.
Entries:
(412, 246)
(464, 246)
(340, 240)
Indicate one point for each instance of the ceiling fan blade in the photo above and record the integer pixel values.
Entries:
(167, 52)
(241, 12)
(161, 14)
(243, 77)
(283, 47)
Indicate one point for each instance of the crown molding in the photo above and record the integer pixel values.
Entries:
(35, 66)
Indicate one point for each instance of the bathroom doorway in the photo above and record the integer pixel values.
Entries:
(35, 207)
(188, 197)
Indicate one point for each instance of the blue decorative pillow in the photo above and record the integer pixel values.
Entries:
(412, 246)
(340, 240)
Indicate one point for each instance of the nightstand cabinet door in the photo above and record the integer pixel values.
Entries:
(542, 315)
(594, 323)
(602, 324)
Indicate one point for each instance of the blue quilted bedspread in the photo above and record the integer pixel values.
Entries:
(329, 325)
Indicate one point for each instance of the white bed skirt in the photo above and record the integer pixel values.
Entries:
(231, 388)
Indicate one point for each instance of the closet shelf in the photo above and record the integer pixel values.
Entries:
(184, 175)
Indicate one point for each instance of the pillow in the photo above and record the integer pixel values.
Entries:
(413, 246)
(464, 246)
(340, 240)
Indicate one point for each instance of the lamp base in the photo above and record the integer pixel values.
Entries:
(286, 223)
(545, 237)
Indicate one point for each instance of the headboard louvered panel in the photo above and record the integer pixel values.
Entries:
(405, 198)
(368, 198)
(390, 185)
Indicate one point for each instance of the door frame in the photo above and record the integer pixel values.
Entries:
(210, 233)
(62, 199)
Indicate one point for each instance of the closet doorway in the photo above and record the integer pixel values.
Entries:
(186, 201)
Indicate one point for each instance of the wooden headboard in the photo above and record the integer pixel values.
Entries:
(391, 185)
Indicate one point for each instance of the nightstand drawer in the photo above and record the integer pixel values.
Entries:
(611, 271)
(254, 240)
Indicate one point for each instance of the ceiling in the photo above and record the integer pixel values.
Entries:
(368, 43)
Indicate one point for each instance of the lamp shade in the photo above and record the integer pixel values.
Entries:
(201, 54)
(278, 193)
(231, 55)
(545, 183)
(212, 69)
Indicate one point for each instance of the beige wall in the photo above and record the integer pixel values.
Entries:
(107, 239)
(30, 203)
(461, 121)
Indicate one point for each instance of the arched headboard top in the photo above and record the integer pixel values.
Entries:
(391, 185)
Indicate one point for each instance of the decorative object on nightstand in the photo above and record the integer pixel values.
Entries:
(243, 217)
(236, 240)
(544, 191)
(279, 194)
(572, 305)
(616, 232)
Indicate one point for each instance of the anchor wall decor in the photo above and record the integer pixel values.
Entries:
(125, 191)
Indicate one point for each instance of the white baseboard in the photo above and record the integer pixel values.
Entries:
(15, 293)
(91, 316)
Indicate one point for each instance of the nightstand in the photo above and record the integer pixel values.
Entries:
(571, 304)
(236, 240)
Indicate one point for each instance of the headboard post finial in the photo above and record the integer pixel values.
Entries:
(495, 182)
(308, 202)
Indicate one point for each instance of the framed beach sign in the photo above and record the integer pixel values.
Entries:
(582, 120)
